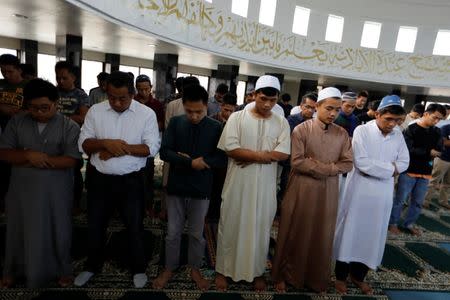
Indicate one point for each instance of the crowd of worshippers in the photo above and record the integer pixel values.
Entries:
(331, 162)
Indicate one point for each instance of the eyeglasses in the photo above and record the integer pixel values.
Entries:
(41, 108)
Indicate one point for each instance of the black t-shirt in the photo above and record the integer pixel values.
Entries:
(11, 95)
(70, 101)
(357, 112)
(364, 118)
(420, 142)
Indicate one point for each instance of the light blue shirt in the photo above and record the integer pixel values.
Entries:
(137, 125)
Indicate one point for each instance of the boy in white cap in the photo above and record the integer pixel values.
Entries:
(254, 140)
(380, 153)
(321, 150)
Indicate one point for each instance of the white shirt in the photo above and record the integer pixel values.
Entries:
(137, 125)
(442, 123)
(275, 109)
(296, 110)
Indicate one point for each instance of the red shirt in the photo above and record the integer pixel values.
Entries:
(156, 106)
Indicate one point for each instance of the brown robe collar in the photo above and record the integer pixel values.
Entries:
(322, 125)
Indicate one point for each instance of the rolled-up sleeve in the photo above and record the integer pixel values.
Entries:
(88, 129)
(71, 134)
(229, 139)
(150, 135)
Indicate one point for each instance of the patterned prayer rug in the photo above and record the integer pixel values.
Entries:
(420, 265)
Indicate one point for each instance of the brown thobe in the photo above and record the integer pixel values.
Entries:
(309, 208)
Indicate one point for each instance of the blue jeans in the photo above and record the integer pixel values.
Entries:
(417, 187)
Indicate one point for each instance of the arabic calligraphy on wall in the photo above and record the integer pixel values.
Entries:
(202, 25)
(235, 33)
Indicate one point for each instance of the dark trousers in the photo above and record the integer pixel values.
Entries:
(284, 178)
(357, 270)
(149, 173)
(78, 184)
(105, 193)
(219, 175)
(5, 174)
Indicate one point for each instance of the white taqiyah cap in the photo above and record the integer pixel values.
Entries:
(329, 92)
(267, 81)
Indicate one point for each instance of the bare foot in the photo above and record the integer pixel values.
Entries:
(221, 282)
(259, 284)
(161, 281)
(65, 281)
(280, 287)
(394, 229)
(201, 282)
(445, 205)
(363, 286)
(341, 287)
(414, 231)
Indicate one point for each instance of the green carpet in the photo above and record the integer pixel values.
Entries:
(446, 219)
(413, 295)
(433, 225)
(395, 259)
(434, 256)
(405, 266)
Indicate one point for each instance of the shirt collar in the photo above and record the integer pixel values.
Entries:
(322, 125)
(390, 134)
(132, 107)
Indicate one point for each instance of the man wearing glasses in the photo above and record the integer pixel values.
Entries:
(41, 146)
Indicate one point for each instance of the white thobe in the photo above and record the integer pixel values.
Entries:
(249, 195)
(275, 109)
(363, 216)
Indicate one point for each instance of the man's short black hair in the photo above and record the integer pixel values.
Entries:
(120, 79)
(393, 109)
(143, 78)
(434, 107)
(9, 60)
(418, 108)
(65, 65)
(230, 99)
(363, 94)
(311, 96)
(131, 76)
(37, 88)
(28, 69)
(102, 76)
(195, 93)
(190, 80)
(179, 84)
(268, 91)
(373, 105)
(222, 89)
(286, 97)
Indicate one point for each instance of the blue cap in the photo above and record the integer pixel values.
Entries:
(389, 100)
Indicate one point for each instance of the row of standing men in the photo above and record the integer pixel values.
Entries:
(119, 134)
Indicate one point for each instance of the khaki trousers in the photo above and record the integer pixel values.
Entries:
(440, 181)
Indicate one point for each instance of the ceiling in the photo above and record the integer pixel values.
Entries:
(47, 19)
